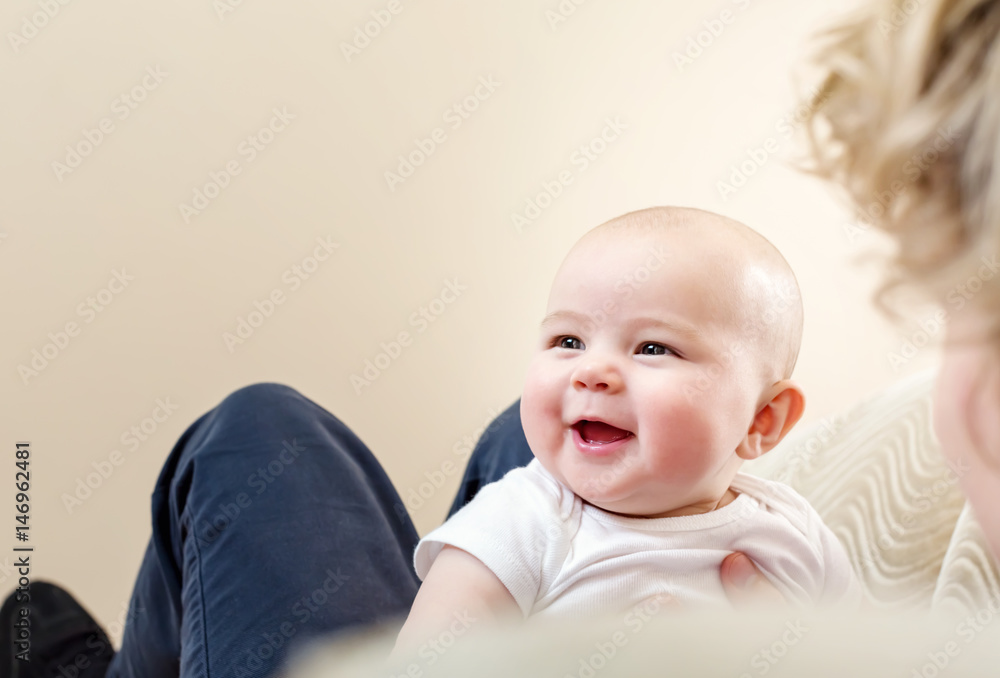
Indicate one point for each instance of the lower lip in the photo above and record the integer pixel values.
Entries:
(598, 449)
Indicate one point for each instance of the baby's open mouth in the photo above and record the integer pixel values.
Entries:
(599, 433)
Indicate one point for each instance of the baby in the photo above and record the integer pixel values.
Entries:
(663, 365)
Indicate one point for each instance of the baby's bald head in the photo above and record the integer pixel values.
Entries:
(668, 338)
(752, 283)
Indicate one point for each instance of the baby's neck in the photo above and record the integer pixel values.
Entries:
(695, 509)
(691, 510)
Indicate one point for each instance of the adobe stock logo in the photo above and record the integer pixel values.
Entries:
(122, 107)
(363, 35)
(421, 319)
(454, 116)
(293, 277)
(711, 30)
(132, 439)
(61, 339)
(248, 148)
(581, 158)
(562, 12)
(30, 27)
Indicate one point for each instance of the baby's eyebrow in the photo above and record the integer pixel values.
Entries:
(682, 329)
(561, 315)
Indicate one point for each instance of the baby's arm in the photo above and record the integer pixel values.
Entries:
(458, 588)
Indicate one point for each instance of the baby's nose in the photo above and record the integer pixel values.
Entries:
(597, 375)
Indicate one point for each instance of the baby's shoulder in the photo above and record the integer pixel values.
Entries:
(528, 488)
(778, 500)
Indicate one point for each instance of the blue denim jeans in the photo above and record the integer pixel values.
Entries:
(273, 524)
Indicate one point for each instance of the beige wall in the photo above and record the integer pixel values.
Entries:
(217, 81)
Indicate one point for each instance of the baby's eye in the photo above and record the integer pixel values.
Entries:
(568, 342)
(652, 348)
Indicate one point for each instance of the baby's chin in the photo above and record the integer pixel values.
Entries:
(606, 496)
(622, 507)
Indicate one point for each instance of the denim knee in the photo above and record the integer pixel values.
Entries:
(251, 425)
(257, 395)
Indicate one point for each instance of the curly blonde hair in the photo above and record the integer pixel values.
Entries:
(907, 120)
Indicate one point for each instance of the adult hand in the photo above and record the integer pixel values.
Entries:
(745, 585)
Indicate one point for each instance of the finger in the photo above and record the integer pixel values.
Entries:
(745, 585)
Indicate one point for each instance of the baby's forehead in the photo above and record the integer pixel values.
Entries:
(657, 271)
(717, 251)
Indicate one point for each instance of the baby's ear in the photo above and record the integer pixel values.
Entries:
(779, 414)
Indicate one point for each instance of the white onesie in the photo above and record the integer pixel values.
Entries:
(558, 555)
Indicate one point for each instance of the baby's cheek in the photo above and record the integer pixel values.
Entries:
(685, 438)
(541, 413)
(684, 467)
(680, 419)
(536, 395)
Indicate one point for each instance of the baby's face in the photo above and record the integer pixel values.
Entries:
(644, 383)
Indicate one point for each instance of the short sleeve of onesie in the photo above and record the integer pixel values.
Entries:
(519, 527)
